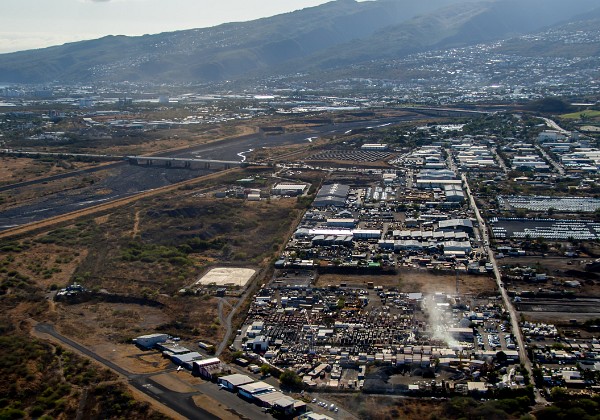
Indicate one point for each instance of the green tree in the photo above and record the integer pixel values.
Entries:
(290, 379)
(264, 369)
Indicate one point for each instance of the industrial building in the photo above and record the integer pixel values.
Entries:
(454, 193)
(186, 359)
(428, 183)
(374, 146)
(465, 225)
(332, 195)
(207, 368)
(255, 389)
(150, 340)
(288, 189)
(233, 382)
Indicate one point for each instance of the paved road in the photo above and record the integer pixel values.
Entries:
(559, 168)
(228, 330)
(500, 160)
(181, 403)
(514, 319)
(552, 124)
(226, 322)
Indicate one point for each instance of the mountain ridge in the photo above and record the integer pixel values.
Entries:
(338, 33)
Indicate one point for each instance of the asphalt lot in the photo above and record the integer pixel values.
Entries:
(122, 181)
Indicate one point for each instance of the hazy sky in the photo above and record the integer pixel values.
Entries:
(27, 24)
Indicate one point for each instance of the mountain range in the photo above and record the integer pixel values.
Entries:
(335, 35)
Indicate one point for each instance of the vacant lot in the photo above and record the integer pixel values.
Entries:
(145, 252)
(13, 170)
(559, 270)
(408, 281)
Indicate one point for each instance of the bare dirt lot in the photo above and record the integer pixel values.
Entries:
(175, 381)
(558, 317)
(416, 281)
(214, 407)
(93, 323)
(559, 270)
(377, 407)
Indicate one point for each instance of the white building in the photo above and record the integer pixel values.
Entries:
(374, 146)
(208, 368)
(252, 390)
(232, 382)
(150, 340)
(288, 189)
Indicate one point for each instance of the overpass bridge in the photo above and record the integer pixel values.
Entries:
(194, 163)
(168, 162)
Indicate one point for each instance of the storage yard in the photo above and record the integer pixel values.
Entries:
(544, 203)
(551, 229)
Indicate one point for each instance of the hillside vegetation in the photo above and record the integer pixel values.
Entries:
(338, 34)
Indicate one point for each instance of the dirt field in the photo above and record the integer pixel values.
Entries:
(92, 323)
(175, 381)
(558, 317)
(120, 248)
(548, 264)
(214, 407)
(416, 281)
(13, 170)
(559, 270)
(378, 407)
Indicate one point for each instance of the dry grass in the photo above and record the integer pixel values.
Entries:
(13, 170)
(91, 251)
(388, 408)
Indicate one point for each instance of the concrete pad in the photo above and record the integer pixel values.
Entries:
(226, 276)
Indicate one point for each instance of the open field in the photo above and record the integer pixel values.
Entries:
(557, 317)
(14, 170)
(588, 113)
(174, 382)
(214, 407)
(135, 255)
(377, 407)
(101, 208)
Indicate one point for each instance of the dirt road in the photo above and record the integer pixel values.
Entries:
(104, 207)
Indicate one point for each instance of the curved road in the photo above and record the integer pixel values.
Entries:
(229, 318)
